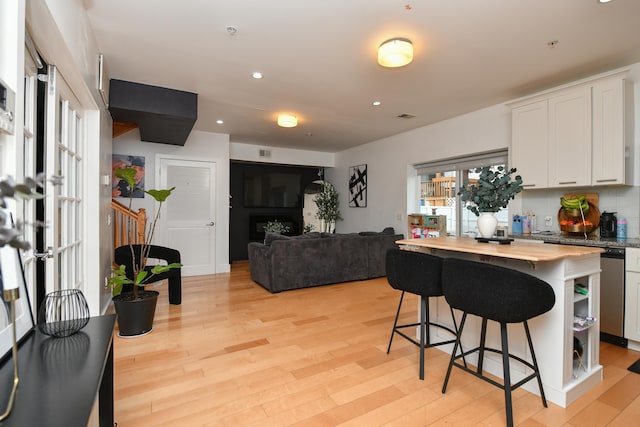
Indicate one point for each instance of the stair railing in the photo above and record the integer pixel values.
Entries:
(128, 226)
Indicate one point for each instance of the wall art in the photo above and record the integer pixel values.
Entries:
(119, 187)
(358, 186)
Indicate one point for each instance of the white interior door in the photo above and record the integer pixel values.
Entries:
(188, 216)
(64, 139)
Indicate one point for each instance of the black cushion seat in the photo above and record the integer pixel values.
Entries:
(174, 275)
(503, 295)
(420, 274)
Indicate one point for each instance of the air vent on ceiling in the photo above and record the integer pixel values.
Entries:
(406, 116)
(264, 153)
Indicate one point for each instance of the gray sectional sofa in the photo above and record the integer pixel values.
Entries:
(312, 259)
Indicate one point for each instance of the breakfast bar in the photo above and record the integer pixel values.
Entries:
(566, 338)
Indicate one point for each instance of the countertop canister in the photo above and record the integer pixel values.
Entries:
(621, 231)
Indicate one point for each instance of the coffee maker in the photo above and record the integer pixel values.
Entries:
(608, 224)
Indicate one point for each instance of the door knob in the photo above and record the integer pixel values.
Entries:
(211, 224)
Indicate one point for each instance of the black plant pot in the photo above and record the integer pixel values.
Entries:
(135, 316)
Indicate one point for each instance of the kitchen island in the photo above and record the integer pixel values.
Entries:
(565, 338)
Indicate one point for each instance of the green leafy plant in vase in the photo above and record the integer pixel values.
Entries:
(328, 205)
(495, 187)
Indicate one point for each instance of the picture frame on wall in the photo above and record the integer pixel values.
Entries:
(358, 186)
(119, 187)
(11, 271)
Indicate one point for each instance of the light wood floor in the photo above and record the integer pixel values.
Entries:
(235, 355)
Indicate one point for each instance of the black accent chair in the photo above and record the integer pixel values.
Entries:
(174, 276)
(503, 295)
(417, 273)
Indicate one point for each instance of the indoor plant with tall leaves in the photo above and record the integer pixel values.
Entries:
(139, 302)
(328, 206)
(493, 190)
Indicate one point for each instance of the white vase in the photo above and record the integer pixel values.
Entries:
(487, 224)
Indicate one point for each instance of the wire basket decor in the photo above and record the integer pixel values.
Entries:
(63, 313)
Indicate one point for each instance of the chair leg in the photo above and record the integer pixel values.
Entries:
(454, 351)
(455, 328)
(175, 290)
(506, 374)
(483, 338)
(395, 322)
(424, 337)
(535, 363)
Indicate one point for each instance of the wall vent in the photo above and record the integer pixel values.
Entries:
(406, 116)
(265, 153)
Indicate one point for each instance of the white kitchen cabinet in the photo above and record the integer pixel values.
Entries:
(570, 138)
(529, 148)
(632, 296)
(612, 100)
(574, 136)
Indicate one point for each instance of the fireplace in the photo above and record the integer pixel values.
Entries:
(258, 222)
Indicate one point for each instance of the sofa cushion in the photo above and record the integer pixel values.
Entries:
(388, 231)
(271, 237)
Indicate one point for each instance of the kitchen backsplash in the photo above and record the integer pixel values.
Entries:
(625, 201)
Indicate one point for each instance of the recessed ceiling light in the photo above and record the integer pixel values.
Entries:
(376, 103)
(220, 122)
(604, 1)
(257, 75)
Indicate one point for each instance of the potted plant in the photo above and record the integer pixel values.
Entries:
(492, 192)
(328, 207)
(276, 227)
(136, 309)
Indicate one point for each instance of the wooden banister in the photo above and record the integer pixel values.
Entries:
(128, 226)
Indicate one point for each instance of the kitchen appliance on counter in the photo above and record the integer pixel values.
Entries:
(612, 296)
(608, 224)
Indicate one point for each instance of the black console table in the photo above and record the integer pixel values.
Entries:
(60, 378)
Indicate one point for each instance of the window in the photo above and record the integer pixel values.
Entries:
(439, 184)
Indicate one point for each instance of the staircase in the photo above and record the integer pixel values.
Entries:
(128, 226)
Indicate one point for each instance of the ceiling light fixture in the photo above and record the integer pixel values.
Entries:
(287, 121)
(396, 52)
(220, 121)
(257, 75)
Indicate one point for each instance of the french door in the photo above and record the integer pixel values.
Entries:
(64, 140)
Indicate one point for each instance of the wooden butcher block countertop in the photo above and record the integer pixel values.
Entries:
(527, 251)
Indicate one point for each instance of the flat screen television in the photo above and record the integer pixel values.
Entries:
(272, 190)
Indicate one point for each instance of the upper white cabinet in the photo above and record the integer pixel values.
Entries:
(574, 136)
(570, 138)
(529, 150)
(612, 121)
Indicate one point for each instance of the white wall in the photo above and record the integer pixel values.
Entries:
(199, 145)
(387, 161)
(285, 156)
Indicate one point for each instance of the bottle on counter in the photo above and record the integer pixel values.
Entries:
(621, 230)
(526, 224)
(516, 225)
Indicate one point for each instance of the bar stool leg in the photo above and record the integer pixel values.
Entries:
(424, 315)
(483, 338)
(395, 322)
(454, 351)
(506, 374)
(535, 363)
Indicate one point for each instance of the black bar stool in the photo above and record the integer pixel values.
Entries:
(417, 273)
(505, 296)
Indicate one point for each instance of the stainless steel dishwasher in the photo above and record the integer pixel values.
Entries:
(612, 296)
